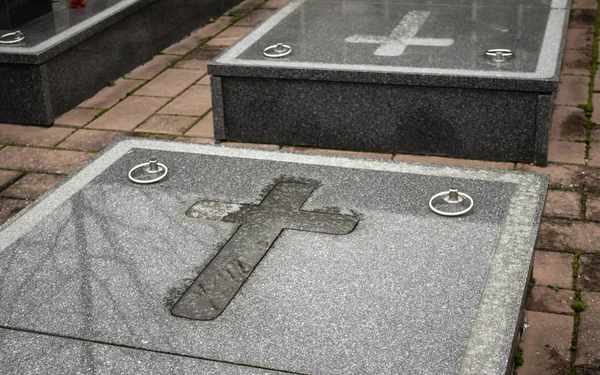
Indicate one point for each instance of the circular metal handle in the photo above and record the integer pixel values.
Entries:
(151, 167)
(277, 50)
(499, 54)
(12, 38)
(451, 196)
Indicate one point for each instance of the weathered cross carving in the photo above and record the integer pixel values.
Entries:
(402, 35)
(260, 226)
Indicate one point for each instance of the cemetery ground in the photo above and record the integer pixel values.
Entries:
(169, 98)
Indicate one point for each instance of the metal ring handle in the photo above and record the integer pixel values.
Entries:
(444, 213)
(17, 36)
(152, 180)
(277, 50)
(499, 54)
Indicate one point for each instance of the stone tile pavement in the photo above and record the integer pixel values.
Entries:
(169, 98)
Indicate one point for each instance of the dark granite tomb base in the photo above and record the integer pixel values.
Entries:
(70, 54)
(14, 13)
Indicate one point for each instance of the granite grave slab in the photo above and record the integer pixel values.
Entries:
(14, 13)
(68, 55)
(461, 78)
(247, 261)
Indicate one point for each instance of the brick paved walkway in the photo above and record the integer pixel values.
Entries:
(169, 97)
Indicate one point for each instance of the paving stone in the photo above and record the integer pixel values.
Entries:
(41, 159)
(572, 90)
(170, 83)
(569, 235)
(585, 371)
(8, 177)
(195, 140)
(32, 135)
(568, 124)
(564, 204)
(199, 58)
(274, 4)
(128, 114)
(251, 145)
(588, 274)
(204, 128)
(338, 152)
(32, 185)
(10, 207)
(572, 177)
(584, 4)
(214, 27)
(77, 117)
(546, 344)
(255, 17)
(595, 133)
(594, 160)
(566, 152)
(185, 45)
(551, 268)
(111, 95)
(592, 211)
(546, 299)
(577, 62)
(176, 125)
(150, 69)
(588, 340)
(90, 140)
(229, 36)
(451, 161)
(583, 19)
(579, 39)
(596, 102)
(195, 101)
(205, 81)
(244, 7)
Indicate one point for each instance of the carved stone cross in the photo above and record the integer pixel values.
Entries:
(259, 227)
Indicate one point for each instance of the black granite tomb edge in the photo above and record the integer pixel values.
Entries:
(216, 90)
(542, 132)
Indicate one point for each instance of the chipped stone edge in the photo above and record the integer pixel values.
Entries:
(490, 341)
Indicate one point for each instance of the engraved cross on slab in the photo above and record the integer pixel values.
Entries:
(402, 35)
(259, 227)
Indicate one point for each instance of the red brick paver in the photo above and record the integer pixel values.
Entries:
(10, 207)
(111, 95)
(195, 101)
(573, 90)
(170, 83)
(150, 69)
(594, 160)
(164, 124)
(546, 299)
(572, 177)
(451, 161)
(33, 135)
(592, 211)
(579, 39)
(128, 114)
(550, 268)
(588, 275)
(588, 340)
(41, 160)
(8, 177)
(77, 117)
(32, 185)
(568, 124)
(569, 235)
(338, 152)
(229, 36)
(89, 140)
(564, 204)
(204, 128)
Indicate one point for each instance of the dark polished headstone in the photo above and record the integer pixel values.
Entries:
(397, 76)
(14, 13)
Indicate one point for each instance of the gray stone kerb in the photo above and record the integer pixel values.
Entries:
(490, 341)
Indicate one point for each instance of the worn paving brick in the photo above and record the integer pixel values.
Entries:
(170, 83)
(595, 133)
(588, 340)
(205, 81)
(8, 177)
(204, 128)
(546, 299)
(255, 17)
(586, 371)
(579, 39)
(584, 4)
(77, 117)
(150, 69)
(568, 124)
(199, 58)
(582, 19)
(577, 62)
(32, 185)
(10, 207)
(251, 145)
(195, 140)
(164, 124)
(592, 211)
(195, 101)
(588, 274)
(558, 234)
(90, 140)
(214, 27)
(572, 90)
(564, 176)
(111, 95)
(338, 152)
(229, 36)
(546, 344)
(451, 161)
(566, 204)
(185, 45)
(42, 159)
(128, 114)
(550, 268)
(566, 152)
(596, 102)
(594, 160)
(33, 135)
(244, 7)
(274, 4)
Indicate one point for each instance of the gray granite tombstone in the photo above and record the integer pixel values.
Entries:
(245, 261)
(422, 77)
(14, 13)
